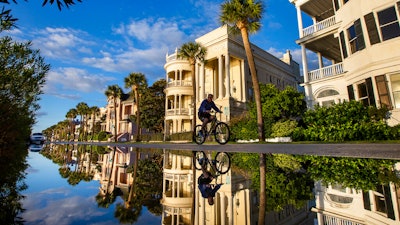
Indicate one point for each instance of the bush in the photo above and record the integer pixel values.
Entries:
(243, 128)
(283, 128)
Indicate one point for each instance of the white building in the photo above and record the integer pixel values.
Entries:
(225, 74)
(360, 40)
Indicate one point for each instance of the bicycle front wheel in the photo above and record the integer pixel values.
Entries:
(197, 136)
(222, 133)
(222, 162)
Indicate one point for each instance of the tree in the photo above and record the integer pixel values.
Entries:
(153, 105)
(82, 108)
(193, 52)
(71, 115)
(60, 4)
(244, 16)
(138, 83)
(114, 92)
(94, 111)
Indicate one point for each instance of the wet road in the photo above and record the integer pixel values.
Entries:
(365, 150)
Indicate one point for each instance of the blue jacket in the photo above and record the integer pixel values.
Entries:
(206, 105)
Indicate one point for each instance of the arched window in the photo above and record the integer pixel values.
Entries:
(327, 93)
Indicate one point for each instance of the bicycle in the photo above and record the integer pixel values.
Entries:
(219, 129)
(219, 165)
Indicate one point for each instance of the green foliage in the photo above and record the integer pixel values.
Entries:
(283, 128)
(103, 136)
(358, 173)
(153, 107)
(278, 106)
(348, 121)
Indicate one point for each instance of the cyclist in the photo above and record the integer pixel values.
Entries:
(204, 111)
(204, 180)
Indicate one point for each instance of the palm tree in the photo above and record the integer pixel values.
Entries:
(138, 83)
(95, 112)
(82, 109)
(193, 52)
(114, 91)
(243, 16)
(71, 115)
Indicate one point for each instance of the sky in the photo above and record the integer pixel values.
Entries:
(97, 43)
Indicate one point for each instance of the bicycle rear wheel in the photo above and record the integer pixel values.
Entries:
(222, 162)
(198, 155)
(198, 138)
(222, 133)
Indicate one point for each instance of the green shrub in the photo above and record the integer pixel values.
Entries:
(283, 128)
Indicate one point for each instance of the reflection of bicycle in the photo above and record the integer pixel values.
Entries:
(219, 165)
(219, 129)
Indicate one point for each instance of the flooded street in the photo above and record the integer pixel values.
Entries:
(88, 184)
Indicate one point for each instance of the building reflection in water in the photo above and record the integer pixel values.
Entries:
(234, 203)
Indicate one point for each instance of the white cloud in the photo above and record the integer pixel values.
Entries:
(73, 79)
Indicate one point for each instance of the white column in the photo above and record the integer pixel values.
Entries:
(307, 86)
(228, 77)
(176, 76)
(220, 78)
(180, 103)
(202, 210)
(299, 21)
(196, 70)
(202, 90)
(248, 205)
(230, 209)
(242, 84)
(320, 61)
(175, 97)
(180, 77)
(223, 209)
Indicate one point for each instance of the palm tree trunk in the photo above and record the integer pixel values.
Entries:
(111, 172)
(194, 190)
(261, 212)
(256, 85)
(131, 191)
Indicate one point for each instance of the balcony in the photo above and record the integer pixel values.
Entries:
(178, 112)
(324, 24)
(328, 71)
(179, 83)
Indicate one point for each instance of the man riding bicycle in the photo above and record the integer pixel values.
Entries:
(204, 111)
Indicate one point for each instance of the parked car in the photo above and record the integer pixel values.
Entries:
(37, 138)
(35, 147)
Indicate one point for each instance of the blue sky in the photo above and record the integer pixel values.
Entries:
(97, 43)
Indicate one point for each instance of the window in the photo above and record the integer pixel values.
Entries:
(395, 84)
(366, 93)
(327, 93)
(389, 23)
(355, 37)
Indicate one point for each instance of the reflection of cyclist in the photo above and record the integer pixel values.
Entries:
(204, 111)
(207, 190)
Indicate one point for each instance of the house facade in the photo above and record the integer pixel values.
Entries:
(356, 43)
(225, 74)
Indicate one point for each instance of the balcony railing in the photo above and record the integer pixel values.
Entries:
(328, 71)
(319, 26)
(335, 220)
(175, 112)
(179, 83)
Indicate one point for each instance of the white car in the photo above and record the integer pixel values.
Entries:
(35, 147)
(37, 138)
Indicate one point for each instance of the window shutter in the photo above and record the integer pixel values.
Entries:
(389, 203)
(350, 92)
(371, 28)
(383, 91)
(370, 90)
(366, 200)
(343, 43)
(360, 36)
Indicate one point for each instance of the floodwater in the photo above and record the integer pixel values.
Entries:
(84, 184)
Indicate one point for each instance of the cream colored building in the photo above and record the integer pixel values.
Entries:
(357, 46)
(225, 74)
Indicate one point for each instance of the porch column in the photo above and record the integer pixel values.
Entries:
(202, 82)
(243, 90)
(220, 79)
(299, 21)
(307, 86)
(223, 209)
(320, 61)
(228, 77)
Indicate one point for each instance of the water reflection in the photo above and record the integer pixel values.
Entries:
(136, 184)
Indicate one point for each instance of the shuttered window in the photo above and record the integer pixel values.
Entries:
(350, 92)
(356, 37)
(389, 23)
(372, 29)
